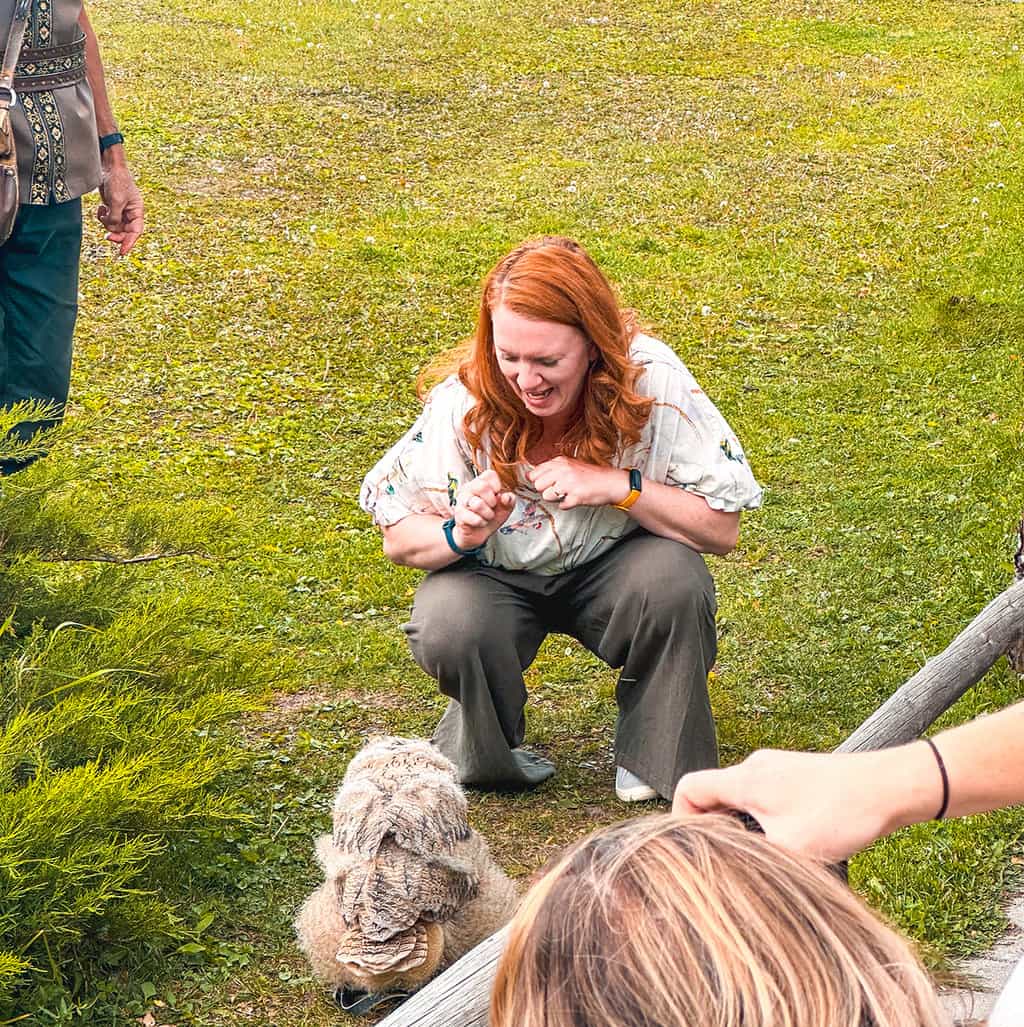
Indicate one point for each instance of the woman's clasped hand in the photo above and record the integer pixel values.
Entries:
(481, 508)
(571, 483)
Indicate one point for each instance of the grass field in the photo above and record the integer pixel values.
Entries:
(817, 206)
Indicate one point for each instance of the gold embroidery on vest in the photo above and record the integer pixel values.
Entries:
(55, 129)
(42, 23)
(40, 192)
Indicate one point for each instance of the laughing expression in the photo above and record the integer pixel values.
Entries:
(544, 362)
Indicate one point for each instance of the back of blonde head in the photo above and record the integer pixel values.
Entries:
(697, 922)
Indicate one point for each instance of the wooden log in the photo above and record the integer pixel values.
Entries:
(916, 705)
(460, 996)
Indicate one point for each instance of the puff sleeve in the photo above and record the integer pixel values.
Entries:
(421, 472)
(687, 443)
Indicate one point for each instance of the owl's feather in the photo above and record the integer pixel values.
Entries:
(402, 868)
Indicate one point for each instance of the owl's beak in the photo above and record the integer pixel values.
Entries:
(359, 1003)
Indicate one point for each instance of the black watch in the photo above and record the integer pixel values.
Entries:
(113, 139)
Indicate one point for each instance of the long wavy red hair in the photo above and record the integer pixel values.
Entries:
(549, 279)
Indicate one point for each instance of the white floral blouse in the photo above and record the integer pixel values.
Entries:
(686, 443)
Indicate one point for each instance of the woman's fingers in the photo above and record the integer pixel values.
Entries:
(469, 518)
(483, 506)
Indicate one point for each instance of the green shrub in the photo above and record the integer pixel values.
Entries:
(112, 687)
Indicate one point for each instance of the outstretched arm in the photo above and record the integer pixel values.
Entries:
(121, 211)
(832, 805)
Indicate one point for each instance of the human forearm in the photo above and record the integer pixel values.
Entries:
(985, 762)
(664, 510)
(832, 805)
(685, 517)
(105, 122)
(418, 541)
(122, 211)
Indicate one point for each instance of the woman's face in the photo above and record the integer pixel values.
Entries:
(544, 362)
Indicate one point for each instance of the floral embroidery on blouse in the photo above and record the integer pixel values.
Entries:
(686, 443)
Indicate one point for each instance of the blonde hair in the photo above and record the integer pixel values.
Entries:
(697, 922)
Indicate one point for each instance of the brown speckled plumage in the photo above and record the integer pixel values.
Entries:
(409, 887)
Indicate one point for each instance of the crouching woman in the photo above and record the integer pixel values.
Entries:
(565, 477)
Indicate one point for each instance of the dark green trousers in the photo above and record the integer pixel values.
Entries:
(646, 606)
(38, 306)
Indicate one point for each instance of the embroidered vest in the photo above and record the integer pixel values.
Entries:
(54, 128)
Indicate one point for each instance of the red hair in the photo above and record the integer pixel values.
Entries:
(550, 279)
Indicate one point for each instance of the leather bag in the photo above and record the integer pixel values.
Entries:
(8, 98)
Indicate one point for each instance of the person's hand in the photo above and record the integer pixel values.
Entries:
(121, 212)
(827, 806)
(481, 508)
(572, 483)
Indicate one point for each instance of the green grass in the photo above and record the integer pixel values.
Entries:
(326, 185)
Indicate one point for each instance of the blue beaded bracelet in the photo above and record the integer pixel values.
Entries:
(447, 527)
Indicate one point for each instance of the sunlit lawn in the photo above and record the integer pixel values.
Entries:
(817, 206)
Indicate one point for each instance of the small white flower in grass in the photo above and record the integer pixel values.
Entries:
(974, 199)
(369, 240)
(312, 228)
(545, 84)
(571, 187)
(344, 115)
(705, 311)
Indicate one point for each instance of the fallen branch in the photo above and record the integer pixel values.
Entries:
(460, 997)
(916, 705)
(111, 558)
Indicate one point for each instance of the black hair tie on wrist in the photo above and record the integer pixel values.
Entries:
(945, 779)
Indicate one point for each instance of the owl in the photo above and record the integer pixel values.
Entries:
(409, 886)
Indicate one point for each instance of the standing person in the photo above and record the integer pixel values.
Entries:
(566, 476)
(67, 144)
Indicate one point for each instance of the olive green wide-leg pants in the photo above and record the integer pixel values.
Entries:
(38, 306)
(647, 606)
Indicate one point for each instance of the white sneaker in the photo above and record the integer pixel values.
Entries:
(629, 788)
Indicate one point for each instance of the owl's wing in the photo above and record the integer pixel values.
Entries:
(397, 954)
(398, 888)
(426, 814)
